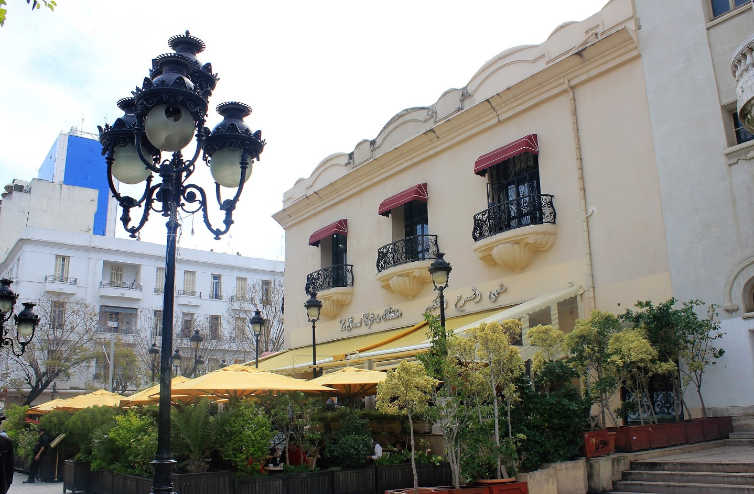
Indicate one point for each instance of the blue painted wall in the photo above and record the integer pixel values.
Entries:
(85, 167)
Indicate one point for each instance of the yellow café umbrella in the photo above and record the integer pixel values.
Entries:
(352, 382)
(149, 396)
(97, 398)
(238, 381)
(47, 407)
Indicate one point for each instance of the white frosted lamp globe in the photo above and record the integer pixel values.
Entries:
(127, 166)
(169, 127)
(225, 167)
(25, 328)
(5, 305)
(440, 277)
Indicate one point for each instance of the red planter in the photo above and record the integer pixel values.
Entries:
(676, 433)
(421, 490)
(726, 426)
(658, 436)
(611, 442)
(711, 428)
(631, 438)
(498, 487)
(596, 443)
(694, 431)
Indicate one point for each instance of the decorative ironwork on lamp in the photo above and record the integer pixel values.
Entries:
(26, 321)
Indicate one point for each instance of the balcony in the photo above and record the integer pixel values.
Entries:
(510, 233)
(334, 287)
(59, 284)
(215, 296)
(188, 297)
(402, 266)
(120, 290)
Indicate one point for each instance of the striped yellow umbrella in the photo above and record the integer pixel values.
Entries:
(149, 396)
(352, 382)
(239, 381)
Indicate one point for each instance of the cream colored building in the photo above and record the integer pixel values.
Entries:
(537, 179)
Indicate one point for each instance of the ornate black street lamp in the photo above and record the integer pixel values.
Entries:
(154, 352)
(313, 308)
(165, 114)
(196, 343)
(223, 363)
(176, 358)
(26, 320)
(257, 323)
(54, 393)
(440, 271)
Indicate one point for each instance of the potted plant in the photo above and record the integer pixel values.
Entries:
(244, 438)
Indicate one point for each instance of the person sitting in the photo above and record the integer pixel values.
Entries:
(376, 451)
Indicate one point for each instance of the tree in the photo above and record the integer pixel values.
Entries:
(550, 343)
(588, 345)
(266, 296)
(35, 4)
(127, 371)
(699, 350)
(407, 390)
(63, 342)
(293, 414)
(196, 432)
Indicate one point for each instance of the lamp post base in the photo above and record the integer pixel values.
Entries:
(163, 481)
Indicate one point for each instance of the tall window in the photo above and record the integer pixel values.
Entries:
(216, 287)
(157, 323)
(189, 281)
(242, 287)
(159, 282)
(515, 183)
(116, 275)
(240, 329)
(121, 320)
(267, 291)
(57, 315)
(214, 327)
(62, 263)
(742, 135)
(187, 325)
(415, 218)
(719, 7)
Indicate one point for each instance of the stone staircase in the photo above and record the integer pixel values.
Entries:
(718, 476)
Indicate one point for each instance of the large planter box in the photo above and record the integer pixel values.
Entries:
(596, 443)
(130, 484)
(48, 470)
(658, 436)
(694, 431)
(20, 465)
(259, 485)
(434, 475)
(711, 428)
(310, 482)
(726, 426)
(77, 476)
(394, 477)
(631, 438)
(102, 482)
(676, 433)
(204, 483)
(354, 481)
(507, 487)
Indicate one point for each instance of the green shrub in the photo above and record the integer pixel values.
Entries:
(194, 432)
(349, 445)
(54, 424)
(15, 421)
(244, 438)
(27, 438)
(128, 447)
(81, 426)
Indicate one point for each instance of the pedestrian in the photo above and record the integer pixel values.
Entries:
(6, 460)
(40, 450)
(376, 451)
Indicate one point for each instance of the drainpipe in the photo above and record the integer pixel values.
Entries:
(582, 197)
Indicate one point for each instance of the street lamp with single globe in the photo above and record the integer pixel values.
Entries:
(154, 352)
(440, 271)
(176, 358)
(313, 308)
(26, 320)
(196, 342)
(165, 115)
(257, 323)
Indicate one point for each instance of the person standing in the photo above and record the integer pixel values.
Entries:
(6, 461)
(40, 450)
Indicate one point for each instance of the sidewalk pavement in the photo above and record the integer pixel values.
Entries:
(18, 487)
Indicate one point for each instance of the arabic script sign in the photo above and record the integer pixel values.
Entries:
(369, 318)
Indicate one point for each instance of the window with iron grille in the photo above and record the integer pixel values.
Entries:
(214, 327)
(57, 315)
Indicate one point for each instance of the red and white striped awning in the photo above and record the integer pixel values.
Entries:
(415, 193)
(527, 144)
(340, 226)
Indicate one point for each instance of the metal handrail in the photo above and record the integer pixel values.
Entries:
(120, 284)
(185, 293)
(339, 275)
(215, 296)
(405, 250)
(535, 209)
(51, 278)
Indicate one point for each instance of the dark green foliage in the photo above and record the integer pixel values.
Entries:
(81, 426)
(244, 438)
(128, 447)
(15, 421)
(434, 359)
(349, 445)
(551, 424)
(478, 457)
(54, 423)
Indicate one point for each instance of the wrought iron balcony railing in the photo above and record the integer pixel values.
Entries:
(117, 284)
(51, 278)
(524, 211)
(240, 298)
(340, 275)
(215, 296)
(409, 249)
(187, 293)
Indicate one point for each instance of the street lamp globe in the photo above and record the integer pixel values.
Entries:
(223, 149)
(26, 323)
(196, 340)
(154, 351)
(440, 271)
(177, 358)
(313, 307)
(7, 296)
(257, 322)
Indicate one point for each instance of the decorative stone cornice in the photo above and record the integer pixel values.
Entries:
(742, 68)
(406, 279)
(515, 249)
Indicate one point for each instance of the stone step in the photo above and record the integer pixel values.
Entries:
(689, 477)
(741, 435)
(682, 466)
(679, 488)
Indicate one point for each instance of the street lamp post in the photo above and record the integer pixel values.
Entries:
(165, 114)
(176, 358)
(154, 352)
(313, 308)
(54, 393)
(257, 322)
(196, 342)
(26, 320)
(440, 271)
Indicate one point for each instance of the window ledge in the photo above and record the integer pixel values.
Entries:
(743, 151)
(748, 315)
(729, 14)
